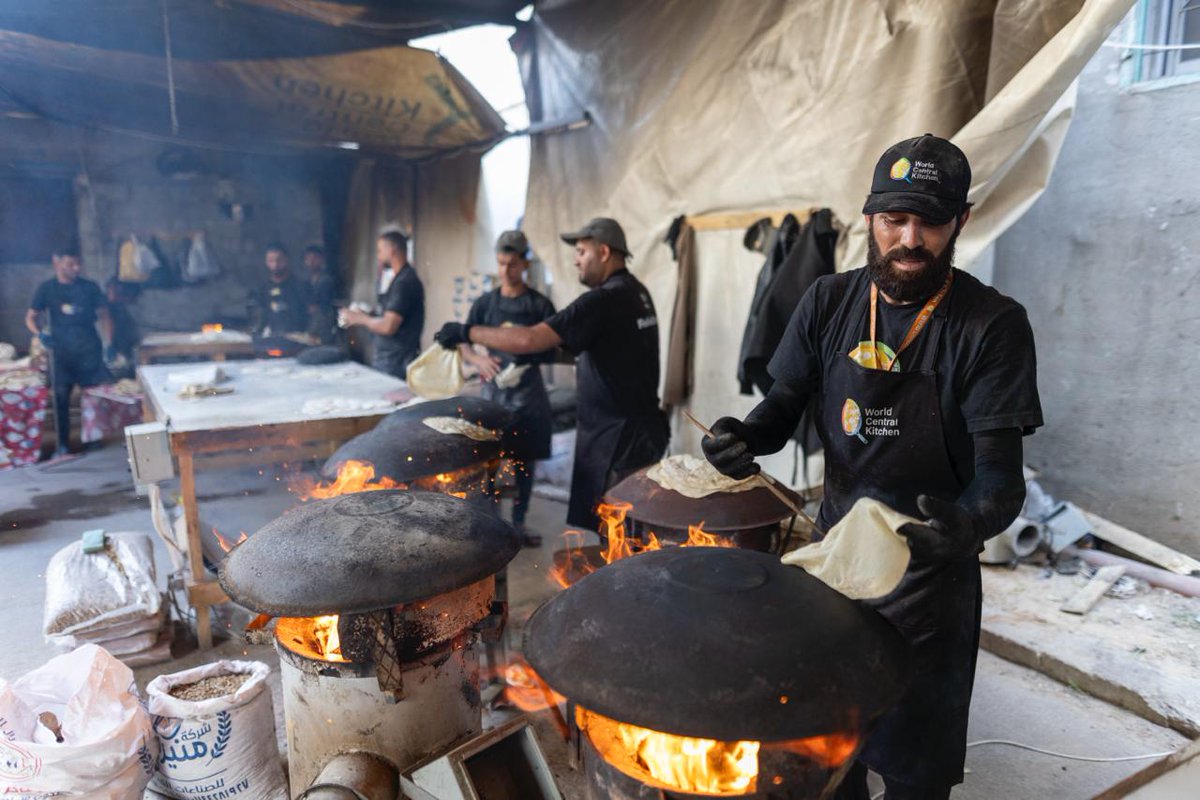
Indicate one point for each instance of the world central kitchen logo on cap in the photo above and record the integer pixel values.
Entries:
(901, 170)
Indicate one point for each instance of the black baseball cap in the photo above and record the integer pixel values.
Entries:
(603, 230)
(512, 242)
(927, 176)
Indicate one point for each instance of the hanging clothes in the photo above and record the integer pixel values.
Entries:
(796, 256)
(677, 386)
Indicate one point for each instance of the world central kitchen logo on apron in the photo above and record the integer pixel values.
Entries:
(875, 422)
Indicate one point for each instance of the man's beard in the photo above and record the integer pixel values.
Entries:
(909, 287)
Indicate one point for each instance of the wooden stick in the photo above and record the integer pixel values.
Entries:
(766, 480)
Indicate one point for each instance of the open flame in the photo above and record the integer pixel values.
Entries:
(619, 545)
(311, 637)
(325, 632)
(212, 327)
(227, 545)
(705, 766)
(359, 476)
(352, 476)
(525, 689)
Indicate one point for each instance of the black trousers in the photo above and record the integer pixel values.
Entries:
(524, 481)
(73, 369)
(854, 787)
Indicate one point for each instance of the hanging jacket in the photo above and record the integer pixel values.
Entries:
(796, 256)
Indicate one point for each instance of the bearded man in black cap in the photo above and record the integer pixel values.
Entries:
(948, 364)
(613, 329)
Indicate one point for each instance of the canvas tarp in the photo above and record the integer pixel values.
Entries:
(730, 106)
(399, 101)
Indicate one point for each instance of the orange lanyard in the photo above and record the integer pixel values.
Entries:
(914, 330)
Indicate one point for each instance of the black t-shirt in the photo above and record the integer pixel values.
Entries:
(528, 308)
(405, 296)
(283, 306)
(614, 331)
(72, 310)
(985, 359)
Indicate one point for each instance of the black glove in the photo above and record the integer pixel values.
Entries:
(728, 449)
(47, 340)
(453, 334)
(951, 532)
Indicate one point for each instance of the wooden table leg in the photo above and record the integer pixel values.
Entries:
(191, 516)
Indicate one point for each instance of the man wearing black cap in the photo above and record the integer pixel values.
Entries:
(613, 329)
(515, 381)
(926, 382)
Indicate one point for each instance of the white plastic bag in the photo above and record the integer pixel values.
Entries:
(201, 263)
(144, 259)
(108, 750)
(90, 592)
(436, 373)
(216, 747)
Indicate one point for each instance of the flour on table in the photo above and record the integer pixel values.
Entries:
(332, 405)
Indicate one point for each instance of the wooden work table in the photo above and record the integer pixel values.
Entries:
(279, 411)
(216, 346)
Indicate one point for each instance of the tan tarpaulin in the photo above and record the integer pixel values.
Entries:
(401, 101)
(702, 107)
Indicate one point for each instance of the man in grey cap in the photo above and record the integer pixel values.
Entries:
(515, 381)
(613, 330)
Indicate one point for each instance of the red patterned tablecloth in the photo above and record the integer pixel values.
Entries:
(105, 412)
(22, 416)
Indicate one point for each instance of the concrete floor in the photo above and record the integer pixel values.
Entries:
(44, 508)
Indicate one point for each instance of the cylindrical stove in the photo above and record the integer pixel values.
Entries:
(701, 671)
(381, 597)
(749, 519)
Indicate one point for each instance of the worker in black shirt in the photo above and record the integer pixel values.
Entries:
(397, 327)
(926, 382)
(322, 288)
(71, 308)
(613, 330)
(125, 333)
(522, 391)
(280, 305)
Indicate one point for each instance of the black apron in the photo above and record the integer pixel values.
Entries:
(529, 438)
(608, 450)
(883, 439)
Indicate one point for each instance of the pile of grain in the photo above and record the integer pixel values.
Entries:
(208, 688)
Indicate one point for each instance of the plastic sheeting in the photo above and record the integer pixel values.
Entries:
(732, 106)
(397, 100)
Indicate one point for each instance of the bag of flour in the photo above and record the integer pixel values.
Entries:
(216, 731)
(436, 373)
(88, 699)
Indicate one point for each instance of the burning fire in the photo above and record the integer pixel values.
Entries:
(227, 545)
(359, 476)
(212, 327)
(682, 763)
(352, 476)
(329, 644)
(311, 637)
(706, 766)
(619, 545)
(526, 690)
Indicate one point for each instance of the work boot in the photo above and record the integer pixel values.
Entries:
(527, 539)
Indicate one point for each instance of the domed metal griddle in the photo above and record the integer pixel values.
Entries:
(366, 551)
(718, 643)
(654, 506)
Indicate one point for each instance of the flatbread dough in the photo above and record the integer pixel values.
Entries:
(863, 556)
(462, 428)
(318, 406)
(510, 376)
(695, 478)
(436, 373)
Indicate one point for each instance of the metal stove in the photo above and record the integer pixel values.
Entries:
(381, 598)
(700, 671)
(750, 519)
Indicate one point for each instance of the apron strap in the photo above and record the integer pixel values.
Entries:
(914, 330)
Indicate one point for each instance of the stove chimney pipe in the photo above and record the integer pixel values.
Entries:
(355, 776)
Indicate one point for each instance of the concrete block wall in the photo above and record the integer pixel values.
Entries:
(1108, 264)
